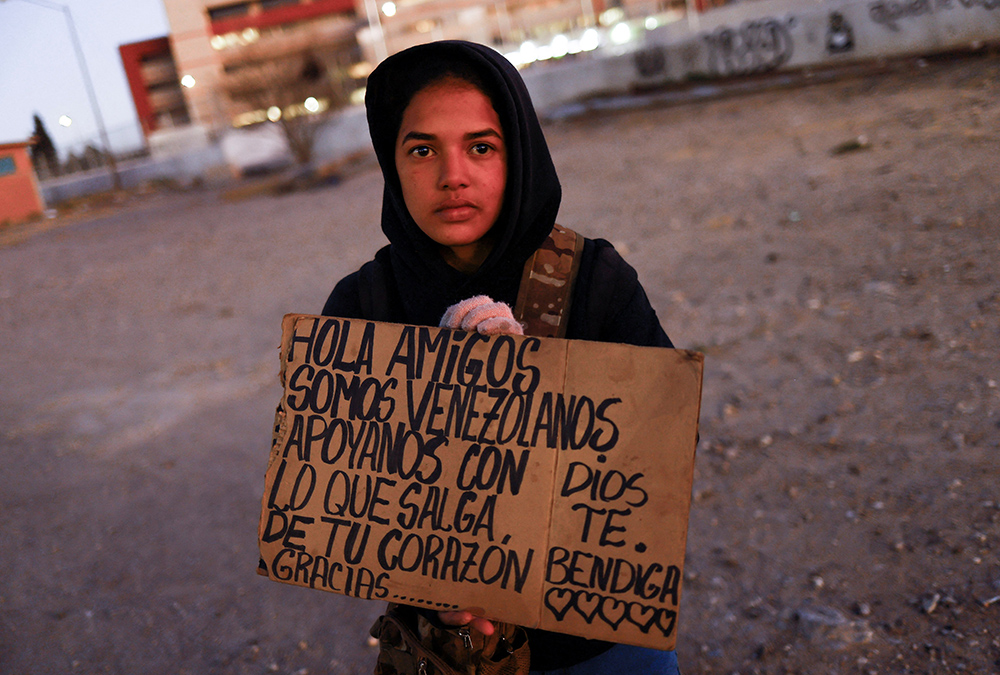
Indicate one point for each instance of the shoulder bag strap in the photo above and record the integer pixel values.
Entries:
(543, 298)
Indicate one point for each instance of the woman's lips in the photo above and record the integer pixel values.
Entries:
(455, 210)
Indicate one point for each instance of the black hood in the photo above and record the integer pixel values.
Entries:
(426, 282)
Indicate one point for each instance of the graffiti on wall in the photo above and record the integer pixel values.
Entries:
(839, 34)
(650, 62)
(765, 44)
(756, 46)
(888, 13)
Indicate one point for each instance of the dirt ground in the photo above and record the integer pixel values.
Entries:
(833, 250)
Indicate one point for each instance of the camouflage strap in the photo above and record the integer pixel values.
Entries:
(547, 284)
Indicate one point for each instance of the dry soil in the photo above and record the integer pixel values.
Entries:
(832, 248)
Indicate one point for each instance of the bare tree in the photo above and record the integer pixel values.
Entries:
(43, 152)
(319, 74)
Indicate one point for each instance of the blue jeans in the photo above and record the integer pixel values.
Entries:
(622, 660)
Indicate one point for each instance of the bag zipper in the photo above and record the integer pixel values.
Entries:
(466, 637)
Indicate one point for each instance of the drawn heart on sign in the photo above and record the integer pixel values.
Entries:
(586, 605)
(642, 616)
(665, 620)
(563, 600)
(613, 611)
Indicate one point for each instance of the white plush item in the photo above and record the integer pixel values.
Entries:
(482, 314)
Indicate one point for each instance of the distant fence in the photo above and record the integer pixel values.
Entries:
(197, 166)
(127, 142)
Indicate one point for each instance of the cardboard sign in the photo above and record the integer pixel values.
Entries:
(547, 481)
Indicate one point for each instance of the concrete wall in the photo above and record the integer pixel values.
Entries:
(205, 164)
(188, 155)
(740, 39)
(770, 35)
(344, 135)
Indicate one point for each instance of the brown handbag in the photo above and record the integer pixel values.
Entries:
(410, 644)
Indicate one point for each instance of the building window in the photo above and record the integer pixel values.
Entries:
(7, 166)
(228, 11)
(272, 4)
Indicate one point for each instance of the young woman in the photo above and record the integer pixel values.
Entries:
(470, 194)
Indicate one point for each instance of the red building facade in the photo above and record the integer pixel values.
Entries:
(156, 90)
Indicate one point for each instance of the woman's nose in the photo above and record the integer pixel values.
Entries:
(454, 171)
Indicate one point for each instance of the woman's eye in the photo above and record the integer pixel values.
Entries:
(481, 148)
(420, 151)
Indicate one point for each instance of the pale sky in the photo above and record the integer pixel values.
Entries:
(39, 71)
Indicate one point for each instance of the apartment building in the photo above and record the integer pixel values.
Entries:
(504, 24)
(239, 59)
(239, 62)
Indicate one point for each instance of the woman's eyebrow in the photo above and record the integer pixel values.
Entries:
(417, 136)
(472, 135)
(485, 133)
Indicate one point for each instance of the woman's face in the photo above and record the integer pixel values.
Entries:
(452, 166)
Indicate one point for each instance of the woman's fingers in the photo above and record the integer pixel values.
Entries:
(455, 315)
(483, 625)
(500, 326)
(492, 318)
(482, 314)
(468, 617)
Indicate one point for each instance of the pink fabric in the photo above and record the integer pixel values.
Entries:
(482, 314)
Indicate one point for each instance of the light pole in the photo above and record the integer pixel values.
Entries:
(82, 62)
(375, 26)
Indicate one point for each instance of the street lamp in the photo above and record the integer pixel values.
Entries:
(112, 165)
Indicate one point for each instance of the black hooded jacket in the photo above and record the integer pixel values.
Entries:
(409, 281)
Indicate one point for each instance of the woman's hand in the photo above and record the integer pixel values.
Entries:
(482, 314)
(471, 617)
